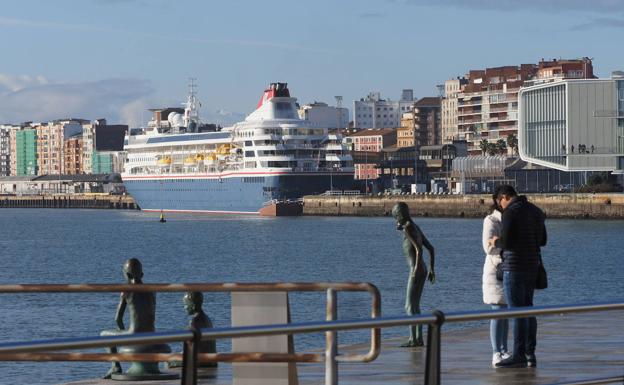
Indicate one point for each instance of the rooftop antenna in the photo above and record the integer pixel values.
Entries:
(190, 112)
(440, 88)
(338, 101)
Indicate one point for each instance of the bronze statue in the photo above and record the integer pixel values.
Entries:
(413, 242)
(142, 308)
(193, 302)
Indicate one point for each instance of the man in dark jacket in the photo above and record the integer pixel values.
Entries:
(523, 234)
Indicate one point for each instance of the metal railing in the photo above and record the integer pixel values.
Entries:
(331, 312)
(191, 339)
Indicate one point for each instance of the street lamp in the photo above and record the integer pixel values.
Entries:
(415, 148)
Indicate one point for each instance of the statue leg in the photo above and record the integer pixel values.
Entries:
(414, 291)
(115, 365)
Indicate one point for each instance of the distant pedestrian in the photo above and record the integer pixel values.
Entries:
(563, 148)
(592, 148)
(580, 148)
(523, 233)
(572, 149)
(493, 294)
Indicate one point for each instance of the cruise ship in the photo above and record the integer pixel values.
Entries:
(271, 157)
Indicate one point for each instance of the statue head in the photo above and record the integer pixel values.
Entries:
(133, 270)
(400, 212)
(193, 301)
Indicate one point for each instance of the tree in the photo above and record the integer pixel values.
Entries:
(502, 146)
(492, 149)
(512, 142)
(484, 145)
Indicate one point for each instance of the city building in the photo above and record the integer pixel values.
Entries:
(324, 115)
(487, 107)
(25, 152)
(375, 112)
(452, 88)
(370, 141)
(51, 138)
(574, 125)
(73, 155)
(5, 148)
(103, 144)
(424, 120)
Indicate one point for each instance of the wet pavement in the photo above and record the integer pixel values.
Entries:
(570, 348)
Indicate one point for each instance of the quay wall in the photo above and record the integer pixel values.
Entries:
(597, 206)
(71, 201)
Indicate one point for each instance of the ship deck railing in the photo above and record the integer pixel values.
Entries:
(191, 339)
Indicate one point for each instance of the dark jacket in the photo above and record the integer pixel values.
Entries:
(523, 233)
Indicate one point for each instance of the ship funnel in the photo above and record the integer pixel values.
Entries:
(275, 89)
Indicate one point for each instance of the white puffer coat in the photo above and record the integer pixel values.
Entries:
(492, 288)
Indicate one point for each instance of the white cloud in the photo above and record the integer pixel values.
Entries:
(34, 98)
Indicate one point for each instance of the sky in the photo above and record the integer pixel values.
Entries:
(114, 59)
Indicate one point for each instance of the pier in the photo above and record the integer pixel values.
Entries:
(570, 206)
(70, 201)
(571, 348)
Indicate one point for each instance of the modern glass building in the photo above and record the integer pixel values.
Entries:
(573, 125)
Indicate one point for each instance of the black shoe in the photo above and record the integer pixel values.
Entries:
(531, 360)
(511, 362)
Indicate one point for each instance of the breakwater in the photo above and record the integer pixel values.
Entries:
(71, 201)
(597, 206)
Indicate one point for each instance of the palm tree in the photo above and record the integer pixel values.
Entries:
(483, 146)
(512, 142)
(502, 146)
(492, 149)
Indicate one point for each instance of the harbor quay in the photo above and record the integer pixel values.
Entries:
(570, 206)
(70, 201)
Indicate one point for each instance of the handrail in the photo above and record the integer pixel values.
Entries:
(370, 355)
(436, 319)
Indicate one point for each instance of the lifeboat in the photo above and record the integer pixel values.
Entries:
(199, 157)
(190, 161)
(166, 161)
(224, 149)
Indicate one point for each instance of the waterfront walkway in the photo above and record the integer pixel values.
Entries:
(570, 347)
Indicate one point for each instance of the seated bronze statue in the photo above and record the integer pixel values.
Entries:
(193, 302)
(142, 307)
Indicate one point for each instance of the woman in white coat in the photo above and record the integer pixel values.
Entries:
(492, 287)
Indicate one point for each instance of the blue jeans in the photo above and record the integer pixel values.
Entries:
(518, 287)
(499, 328)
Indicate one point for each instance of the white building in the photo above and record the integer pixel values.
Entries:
(324, 115)
(374, 112)
(574, 125)
(449, 109)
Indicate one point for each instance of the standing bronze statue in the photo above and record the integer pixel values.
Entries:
(413, 242)
(142, 307)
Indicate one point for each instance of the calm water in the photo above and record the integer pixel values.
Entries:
(583, 259)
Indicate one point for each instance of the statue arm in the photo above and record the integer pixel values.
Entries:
(121, 308)
(429, 247)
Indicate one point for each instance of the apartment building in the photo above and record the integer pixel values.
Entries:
(368, 143)
(452, 88)
(5, 148)
(51, 138)
(375, 112)
(73, 155)
(324, 115)
(422, 123)
(487, 107)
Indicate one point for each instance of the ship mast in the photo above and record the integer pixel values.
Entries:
(190, 111)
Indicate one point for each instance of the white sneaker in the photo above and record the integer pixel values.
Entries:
(505, 355)
(496, 358)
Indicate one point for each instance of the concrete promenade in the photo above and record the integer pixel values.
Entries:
(597, 206)
(570, 348)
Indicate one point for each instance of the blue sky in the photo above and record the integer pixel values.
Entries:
(115, 58)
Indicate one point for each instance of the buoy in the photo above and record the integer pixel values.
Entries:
(162, 217)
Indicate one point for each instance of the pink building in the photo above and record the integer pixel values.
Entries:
(367, 146)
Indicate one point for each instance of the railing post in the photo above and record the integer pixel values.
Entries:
(189, 359)
(434, 348)
(331, 342)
